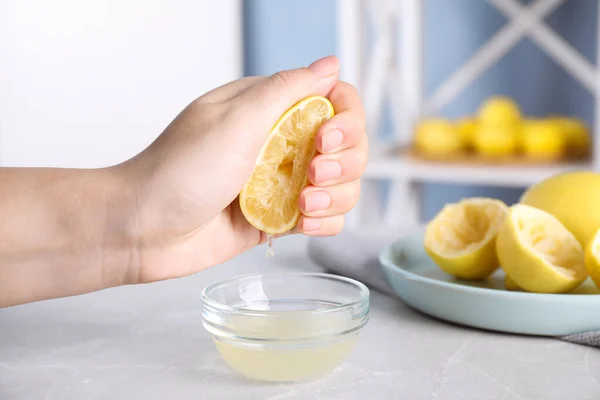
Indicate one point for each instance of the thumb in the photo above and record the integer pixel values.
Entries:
(274, 95)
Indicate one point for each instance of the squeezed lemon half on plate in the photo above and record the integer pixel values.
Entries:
(509, 284)
(538, 253)
(592, 258)
(461, 238)
(269, 200)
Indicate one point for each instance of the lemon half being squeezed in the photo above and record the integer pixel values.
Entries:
(269, 200)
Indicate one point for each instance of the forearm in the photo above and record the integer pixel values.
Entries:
(62, 232)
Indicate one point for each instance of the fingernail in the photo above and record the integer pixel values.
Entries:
(324, 67)
(331, 140)
(327, 170)
(317, 201)
(311, 224)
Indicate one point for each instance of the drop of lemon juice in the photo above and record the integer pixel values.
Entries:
(270, 251)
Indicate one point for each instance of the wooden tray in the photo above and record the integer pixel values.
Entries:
(470, 157)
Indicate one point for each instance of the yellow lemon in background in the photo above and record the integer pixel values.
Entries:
(538, 253)
(438, 137)
(467, 127)
(576, 135)
(496, 140)
(542, 139)
(573, 198)
(499, 110)
(461, 238)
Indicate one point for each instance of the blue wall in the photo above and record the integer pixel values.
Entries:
(288, 33)
(284, 34)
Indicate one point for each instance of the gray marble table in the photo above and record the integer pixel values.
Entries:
(147, 342)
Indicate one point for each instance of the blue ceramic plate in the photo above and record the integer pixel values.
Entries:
(487, 305)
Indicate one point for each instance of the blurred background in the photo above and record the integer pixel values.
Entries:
(288, 33)
(89, 83)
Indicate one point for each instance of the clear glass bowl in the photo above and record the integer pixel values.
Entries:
(285, 327)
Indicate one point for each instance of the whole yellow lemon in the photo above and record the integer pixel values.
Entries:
(573, 198)
(499, 110)
(496, 140)
(438, 137)
(467, 128)
(576, 135)
(543, 139)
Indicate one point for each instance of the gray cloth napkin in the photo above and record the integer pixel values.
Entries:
(355, 255)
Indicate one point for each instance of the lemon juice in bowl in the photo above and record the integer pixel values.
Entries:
(285, 327)
(286, 362)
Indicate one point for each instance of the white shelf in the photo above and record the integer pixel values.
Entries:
(384, 165)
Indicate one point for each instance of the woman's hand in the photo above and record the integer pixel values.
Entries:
(172, 210)
(185, 185)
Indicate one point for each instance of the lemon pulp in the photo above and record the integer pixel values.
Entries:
(538, 253)
(460, 239)
(269, 200)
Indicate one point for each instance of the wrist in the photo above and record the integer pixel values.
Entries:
(65, 232)
(121, 236)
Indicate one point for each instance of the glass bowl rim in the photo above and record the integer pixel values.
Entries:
(363, 295)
